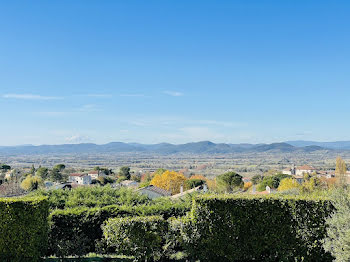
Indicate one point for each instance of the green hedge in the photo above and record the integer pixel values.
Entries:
(246, 228)
(23, 228)
(78, 231)
(141, 237)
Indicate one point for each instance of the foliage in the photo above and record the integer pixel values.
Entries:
(247, 185)
(125, 172)
(192, 183)
(4, 167)
(340, 167)
(169, 180)
(93, 196)
(337, 241)
(23, 228)
(271, 181)
(340, 171)
(201, 177)
(159, 171)
(31, 183)
(76, 231)
(43, 172)
(312, 184)
(245, 228)
(141, 237)
(257, 179)
(288, 184)
(229, 182)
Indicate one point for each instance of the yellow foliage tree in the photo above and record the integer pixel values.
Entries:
(340, 171)
(31, 183)
(212, 184)
(247, 185)
(169, 180)
(287, 184)
(201, 177)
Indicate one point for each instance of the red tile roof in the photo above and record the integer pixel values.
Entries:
(305, 167)
(77, 174)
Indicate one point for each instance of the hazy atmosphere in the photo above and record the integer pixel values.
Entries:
(179, 71)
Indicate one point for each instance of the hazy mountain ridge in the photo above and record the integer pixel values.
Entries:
(203, 147)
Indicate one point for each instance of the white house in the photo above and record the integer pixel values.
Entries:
(301, 170)
(94, 174)
(81, 179)
(153, 192)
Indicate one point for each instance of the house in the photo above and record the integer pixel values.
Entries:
(305, 169)
(79, 178)
(153, 192)
(94, 174)
(289, 171)
(129, 183)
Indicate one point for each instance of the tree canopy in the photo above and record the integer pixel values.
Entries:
(229, 182)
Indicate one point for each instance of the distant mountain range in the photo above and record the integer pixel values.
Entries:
(204, 147)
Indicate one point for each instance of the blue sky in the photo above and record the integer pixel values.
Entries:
(174, 71)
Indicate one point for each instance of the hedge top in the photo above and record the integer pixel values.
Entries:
(228, 197)
(32, 200)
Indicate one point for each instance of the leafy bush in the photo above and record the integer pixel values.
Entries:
(271, 181)
(23, 228)
(229, 182)
(94, 196)
(77, 231)
(245, 228)
(141, 237)
(338, 237)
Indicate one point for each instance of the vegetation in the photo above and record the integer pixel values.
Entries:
(288, 184)
(31, 183)
(229, 182)
(141, 237)
(169, 180)
(23, 228)
(246, 228)
(338, 231)
(94, 196)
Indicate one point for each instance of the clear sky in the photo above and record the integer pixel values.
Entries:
(174, 71)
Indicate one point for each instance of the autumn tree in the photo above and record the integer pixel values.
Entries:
(247, 185)
(288, 184)
(169, 180)
(31, 183)
(340, 171)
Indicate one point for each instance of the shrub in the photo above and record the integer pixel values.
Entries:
(23, 228)
(338, 237)
(94, 196)
(77, 231)
(229, 182)
(245, 228)
(141, 237)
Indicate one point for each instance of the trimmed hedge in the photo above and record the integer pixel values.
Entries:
(23, 228)
(141, 237)
(78, 231)
(246, 228)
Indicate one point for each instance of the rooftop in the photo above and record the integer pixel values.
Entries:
(157, 190)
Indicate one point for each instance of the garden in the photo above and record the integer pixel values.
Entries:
(105, 224)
